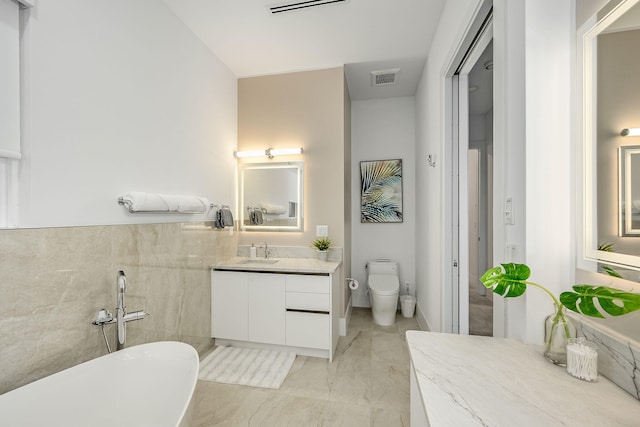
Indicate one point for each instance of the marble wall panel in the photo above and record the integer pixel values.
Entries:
(55, 280)
(618, 356)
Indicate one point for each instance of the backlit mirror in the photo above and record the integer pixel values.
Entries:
(608, 46)
(271, 196)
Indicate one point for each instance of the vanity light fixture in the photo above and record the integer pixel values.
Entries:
(270, 152)
(254, 153)
(630, 132)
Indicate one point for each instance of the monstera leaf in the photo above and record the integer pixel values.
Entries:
(612, 301)
(508, 280)
(610, 271)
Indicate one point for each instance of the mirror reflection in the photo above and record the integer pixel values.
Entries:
(271, 196)
(629, 167)
(613, 96)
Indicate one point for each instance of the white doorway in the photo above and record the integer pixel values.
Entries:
(471, 182)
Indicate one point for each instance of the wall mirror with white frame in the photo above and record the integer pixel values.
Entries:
(271, 196)
(607, 51)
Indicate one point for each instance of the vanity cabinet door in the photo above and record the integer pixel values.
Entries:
(229, 296)
(267, 308)
(308, 329)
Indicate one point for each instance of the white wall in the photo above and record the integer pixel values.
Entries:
(384, 129)
(120, 96)
(549, 236)
(430, 181)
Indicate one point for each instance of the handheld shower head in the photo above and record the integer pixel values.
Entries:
(122, 281)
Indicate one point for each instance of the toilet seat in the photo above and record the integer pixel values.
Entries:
(384, 284)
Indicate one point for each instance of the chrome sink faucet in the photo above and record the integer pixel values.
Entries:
(266, 250)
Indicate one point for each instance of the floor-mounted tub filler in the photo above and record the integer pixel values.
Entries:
(149, 385)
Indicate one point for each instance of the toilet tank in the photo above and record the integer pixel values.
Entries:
(382, 266)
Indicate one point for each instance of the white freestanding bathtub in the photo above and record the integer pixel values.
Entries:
(149, 385)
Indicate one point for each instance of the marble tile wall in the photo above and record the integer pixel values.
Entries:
(618, 356)
(53, 281)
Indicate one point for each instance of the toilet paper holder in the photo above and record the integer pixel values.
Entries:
(352, 283)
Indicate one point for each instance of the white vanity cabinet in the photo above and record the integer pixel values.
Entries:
(298, 312)
(248, 306)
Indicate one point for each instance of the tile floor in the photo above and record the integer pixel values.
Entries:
(366, 385)
(480, 312)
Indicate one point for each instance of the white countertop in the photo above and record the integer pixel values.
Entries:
(484, 381)
(282, 265)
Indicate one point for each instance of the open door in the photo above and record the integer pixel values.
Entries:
(464, 248)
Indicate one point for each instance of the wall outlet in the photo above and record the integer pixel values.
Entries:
(322, 230)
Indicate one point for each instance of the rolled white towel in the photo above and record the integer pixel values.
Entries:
(193, 205)
(272, 209)
(154, 202)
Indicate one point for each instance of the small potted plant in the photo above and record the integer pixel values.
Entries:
(511, 280)
(322, 245)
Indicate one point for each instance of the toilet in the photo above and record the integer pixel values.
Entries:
(384, 286)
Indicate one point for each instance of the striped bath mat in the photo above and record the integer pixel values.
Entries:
(246, 366)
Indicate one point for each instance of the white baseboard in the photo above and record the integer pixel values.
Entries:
(422, 320)
(344, 321)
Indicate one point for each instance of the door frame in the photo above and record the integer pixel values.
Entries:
(455, 313)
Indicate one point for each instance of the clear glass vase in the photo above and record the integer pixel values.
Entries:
(558, 329)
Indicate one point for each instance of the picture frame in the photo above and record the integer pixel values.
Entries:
(381, 191)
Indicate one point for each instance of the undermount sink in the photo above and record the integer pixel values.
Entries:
(258, 261)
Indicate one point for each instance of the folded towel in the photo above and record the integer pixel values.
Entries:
(225, 217)
(218, 221)
(255, 217)
(153, 202)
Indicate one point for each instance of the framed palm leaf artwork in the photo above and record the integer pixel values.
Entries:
(381, 191)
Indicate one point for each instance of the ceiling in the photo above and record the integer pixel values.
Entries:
(361, 35)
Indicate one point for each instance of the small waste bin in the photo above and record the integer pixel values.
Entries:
(407, 305)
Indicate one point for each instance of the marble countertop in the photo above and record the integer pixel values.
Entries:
(282, 265)
(484, 381)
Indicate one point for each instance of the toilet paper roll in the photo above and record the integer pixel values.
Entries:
(353, 284)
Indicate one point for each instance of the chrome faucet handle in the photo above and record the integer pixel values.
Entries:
(103, 316)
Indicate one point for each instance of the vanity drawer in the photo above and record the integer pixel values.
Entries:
(312, 284)
(308, 301)
(308, 330)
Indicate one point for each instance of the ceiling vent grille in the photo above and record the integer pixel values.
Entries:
(299, 5)
(385, 77)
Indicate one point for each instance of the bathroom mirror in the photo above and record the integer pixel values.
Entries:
(271, 196)
(607, 48)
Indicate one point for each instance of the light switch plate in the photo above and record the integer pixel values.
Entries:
(322, 230)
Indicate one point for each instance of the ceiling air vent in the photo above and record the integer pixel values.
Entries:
(298, 5)
(386, 77)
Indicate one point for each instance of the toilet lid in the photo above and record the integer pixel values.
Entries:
(384, 284)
